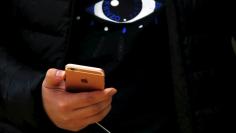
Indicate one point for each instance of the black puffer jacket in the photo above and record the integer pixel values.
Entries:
(35, 35)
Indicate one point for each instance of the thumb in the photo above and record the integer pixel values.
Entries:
(54, 77)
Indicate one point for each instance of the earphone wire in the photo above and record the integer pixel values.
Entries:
(103, 127)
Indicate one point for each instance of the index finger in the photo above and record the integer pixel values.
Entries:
(84, 99)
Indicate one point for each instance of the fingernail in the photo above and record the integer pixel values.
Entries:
(112, 92)
(59, 74)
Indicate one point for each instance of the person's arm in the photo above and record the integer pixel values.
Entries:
(19, 83)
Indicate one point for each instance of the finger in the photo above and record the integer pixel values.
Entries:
(84, 99)
(90, 110)
(78, 120)
(54, 77)
(98, 117)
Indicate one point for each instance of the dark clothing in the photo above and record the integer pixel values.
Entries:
(201, 56)
(126, 52)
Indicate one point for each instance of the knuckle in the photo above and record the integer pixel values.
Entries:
(74, 129)
(78, 126)
(98, 118)
(65, 119)
(73, 126)
(62, 106)
(64, 122)
(61, 124)
(101, 115)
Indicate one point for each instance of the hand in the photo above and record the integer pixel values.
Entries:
(73, 111)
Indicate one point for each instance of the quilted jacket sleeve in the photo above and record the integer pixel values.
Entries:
(20, 84)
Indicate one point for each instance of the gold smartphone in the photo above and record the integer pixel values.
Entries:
(81, 78)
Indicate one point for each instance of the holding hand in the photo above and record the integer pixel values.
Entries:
(73, 111)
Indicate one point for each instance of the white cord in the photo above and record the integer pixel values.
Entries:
(103, 127)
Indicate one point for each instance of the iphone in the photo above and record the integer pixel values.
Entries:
(81, 78)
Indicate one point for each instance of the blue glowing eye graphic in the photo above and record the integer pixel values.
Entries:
(123, 11)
